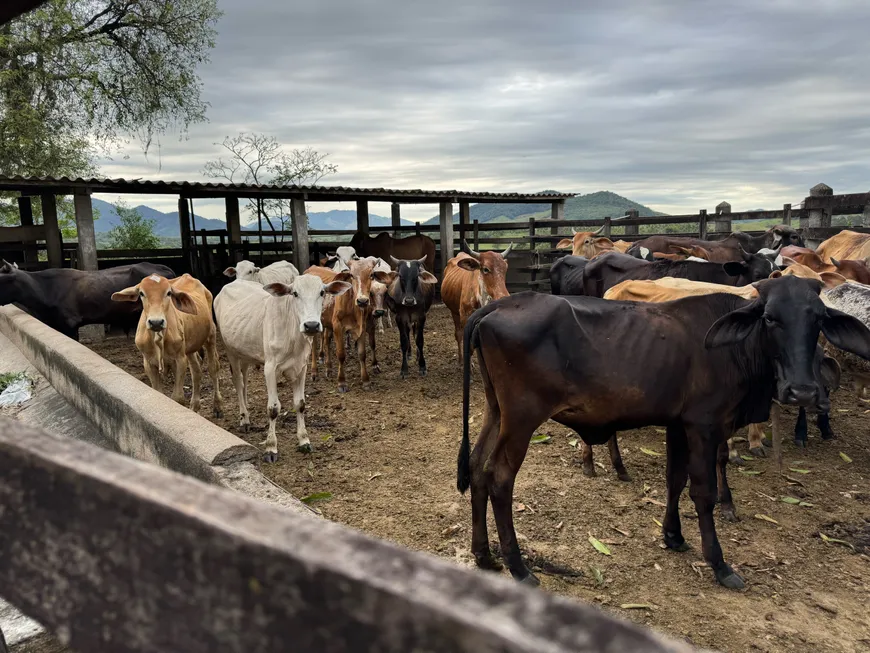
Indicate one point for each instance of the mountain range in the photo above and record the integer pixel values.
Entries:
(592, 206)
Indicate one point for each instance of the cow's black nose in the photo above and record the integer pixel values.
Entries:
(362, 301)
(409, 301)
(379, 313)
(802, 395)
(156, 324)
(312, 327)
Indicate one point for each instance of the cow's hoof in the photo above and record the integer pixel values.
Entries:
(245, 428)
(195, 407)
(736, 460)
(342, 388)
(728, 578)
(766, 442)
(530, 581)
(488, 562)
(625, 477)
(758, 451)
(728, 514)
(376, 368)
(422, 371)
(800, 444)
(829, 436)
(403, 374)
(304, 448)
(217, 413)
(676, 542)
(589, 471)
(270, 457)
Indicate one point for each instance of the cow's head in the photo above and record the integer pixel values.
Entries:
(243, 271)
(753, 267)
(346, 254)
(493, 267)
(361, 273)
(795, 269)
(856, 270)
(157, 296)
(586, 243)
(9, 286)
(782, 235)
(410, 274)
(306, 295)
(784, 322)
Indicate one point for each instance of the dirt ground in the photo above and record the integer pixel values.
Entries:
(387, 455)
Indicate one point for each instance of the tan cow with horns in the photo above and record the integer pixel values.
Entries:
(176, 323)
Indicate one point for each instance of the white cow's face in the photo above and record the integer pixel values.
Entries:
(243, 271)
(346, 254)
(306, 294)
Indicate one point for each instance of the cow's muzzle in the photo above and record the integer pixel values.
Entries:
(312, 327)
(362, 301)
(409, 301)
(157, 324)
(379, 312)
(806, 396)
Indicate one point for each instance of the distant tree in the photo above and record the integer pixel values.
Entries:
(133, 231)
(261, 159)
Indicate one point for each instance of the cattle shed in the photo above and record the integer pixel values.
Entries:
(202, 251)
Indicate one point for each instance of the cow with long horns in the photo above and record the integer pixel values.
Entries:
(587, 243)
(471, 280)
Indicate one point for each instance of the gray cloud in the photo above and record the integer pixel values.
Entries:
(676, 104)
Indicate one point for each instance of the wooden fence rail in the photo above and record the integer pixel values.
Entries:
(118, 556)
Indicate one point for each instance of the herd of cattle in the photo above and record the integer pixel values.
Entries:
(700, 337)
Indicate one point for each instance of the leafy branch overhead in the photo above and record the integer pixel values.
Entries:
(260, 159)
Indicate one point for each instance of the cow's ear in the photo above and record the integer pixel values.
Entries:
(130, 294)
(565, 243)
(470, 264)
(337, 287)
(735, 268)
(427, 277)
(735, 326)
(603, 242)
(385, 278)
(345, 275)
(776, 274)
(830, 372)
(230, 272)
(832, 279)
(846, 332)
(278, 289)
(183, 302)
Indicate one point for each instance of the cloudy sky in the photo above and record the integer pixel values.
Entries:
(677, 105)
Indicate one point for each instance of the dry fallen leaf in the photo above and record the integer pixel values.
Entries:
(621, 532)
(520, 507)
(657, 566)
(763, 517)
(374, 476)
(559, 525)
(658, 523)
(451, 530)
(654, 502)
(650, 452)
(833, 540)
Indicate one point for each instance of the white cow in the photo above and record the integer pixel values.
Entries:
(273, 326)
(278, 272)
(342, 258)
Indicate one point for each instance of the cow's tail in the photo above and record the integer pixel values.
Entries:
(470, 342)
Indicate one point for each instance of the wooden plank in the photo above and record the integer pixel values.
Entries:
(87, 238)
(124, 557)
(175, 252)
(445, 216)
(22, 234)
(53, 238)
(301, 255)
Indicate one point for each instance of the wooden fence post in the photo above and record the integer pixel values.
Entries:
(723, 218)
(786, 214)
(234, 227)
(865, 218)
(25, 212)
(362, 217)
(396, 218)
(818, 214)
(184, 225)
(632, 229)
(301, 256)
(464, 220)
(53, 238)
(533, 254)
(608, 227)
(417, 229)
(87, 249)
(702, 224)
(557, 212)
(446, 244)
(476, 246)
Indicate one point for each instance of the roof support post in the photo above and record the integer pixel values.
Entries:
(557, 212)
(184, 226)
(396, 218)
(234, 228)
(301, 256)
(464, 220)
(53, 238)
(446, 245)
(87, 238)
(25, 212)
(362, 217)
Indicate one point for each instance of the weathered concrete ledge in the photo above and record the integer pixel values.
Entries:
(143, 423)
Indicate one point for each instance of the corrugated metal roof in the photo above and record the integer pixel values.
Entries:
(102, 184)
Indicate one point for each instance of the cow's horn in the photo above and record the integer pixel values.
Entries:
(505, 253)
(421, 260)
(574, 230)
(599, 231)
(394, 260)
(470, 251)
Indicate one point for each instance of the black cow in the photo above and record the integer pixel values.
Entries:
(609, 269)
(567, 273)
(67, 299)
(700, 366)
(409, 297)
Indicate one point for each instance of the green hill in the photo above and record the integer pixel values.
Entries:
(593, 206)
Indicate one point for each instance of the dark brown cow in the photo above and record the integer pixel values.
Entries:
(471, 281)
(385, 246)
(599, 366)
(850, 269)
(721, 251)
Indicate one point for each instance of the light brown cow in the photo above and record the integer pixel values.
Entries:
(621, 245)
(350, 313)
(470, 281)
(587, 243)
(176, 323)
(853, 270)
(846, 245)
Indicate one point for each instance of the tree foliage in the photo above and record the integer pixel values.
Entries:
(261, 159)
(80, 76)
(133, 231)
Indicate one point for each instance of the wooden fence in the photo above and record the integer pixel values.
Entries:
(118, 556)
